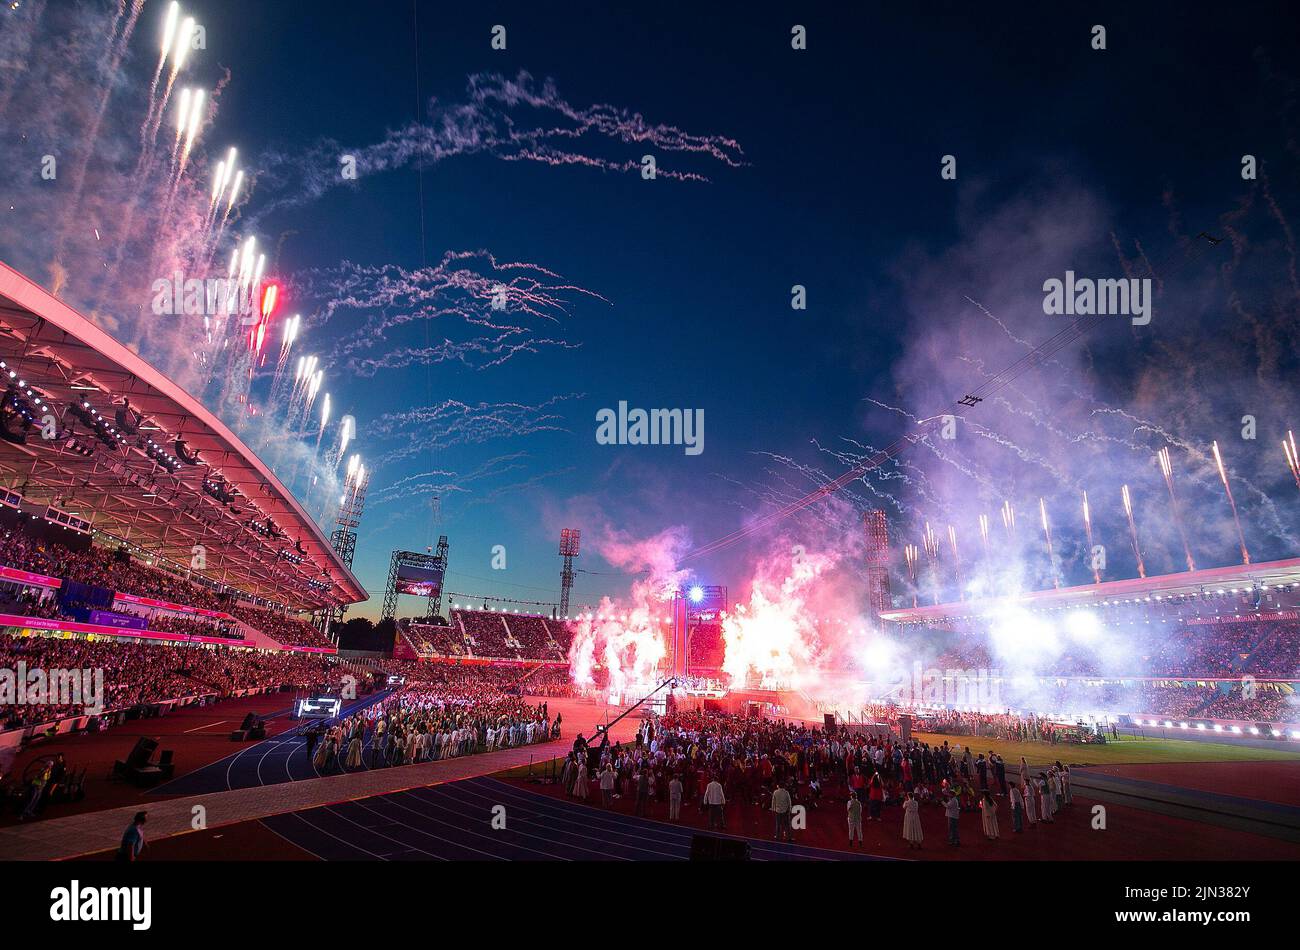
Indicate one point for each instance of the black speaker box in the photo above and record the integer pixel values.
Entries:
(710, 848)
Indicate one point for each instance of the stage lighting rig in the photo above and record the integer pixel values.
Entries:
(184, 454)
(15, 416)
(77, 447)
(128, 420)
(90, 417)
(217, 487)
(161, 456)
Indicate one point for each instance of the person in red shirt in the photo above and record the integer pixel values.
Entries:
(857, 783)
(875, 797)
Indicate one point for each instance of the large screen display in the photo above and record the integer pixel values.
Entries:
(419, 581)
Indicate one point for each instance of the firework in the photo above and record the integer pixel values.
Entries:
(347, 433)
(931, 544)
(153, 114)
(1167, 469)
(218, 176)
(956, 562)
(984, 534)
(234, 190)
(221, 178)
(192, 129)
(1292, 459)
(1133, 531)
(169, 33)
(182, 48)
(1223, 475)
(910, 554)
(1047, 533)
(1087, 526)
(1009, 520)
(182, 113)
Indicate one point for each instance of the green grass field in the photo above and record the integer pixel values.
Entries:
(1127, 751)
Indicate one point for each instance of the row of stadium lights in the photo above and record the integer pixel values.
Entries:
(1156, 723)
(1119, 602)
(1216, 727)
(156, 451)
(22, 384)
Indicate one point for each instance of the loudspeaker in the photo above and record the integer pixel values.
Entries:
(258, 731)
(710, 848)
(828, 720)
(239, 735)
(249, 722)
(142, 752)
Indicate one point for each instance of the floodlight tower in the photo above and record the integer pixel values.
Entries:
(435, 598)
(877, 529)
(569, 538)
(352, 504)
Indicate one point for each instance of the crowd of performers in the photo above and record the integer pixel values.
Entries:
(450, 712)
(705, 761)
(955, 722)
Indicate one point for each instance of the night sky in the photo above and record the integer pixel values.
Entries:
(1067, 157)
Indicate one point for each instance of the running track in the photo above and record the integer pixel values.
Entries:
(453, 821)
(269, 762)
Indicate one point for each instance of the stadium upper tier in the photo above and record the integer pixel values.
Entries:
(1272, 588)
(491, 635)
(94, 438)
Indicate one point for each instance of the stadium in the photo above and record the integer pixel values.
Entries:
(320, 544)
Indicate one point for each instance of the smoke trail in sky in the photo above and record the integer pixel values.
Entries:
(520, 119)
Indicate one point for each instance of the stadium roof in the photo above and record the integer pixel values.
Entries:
(65, 359)
(1274, 582)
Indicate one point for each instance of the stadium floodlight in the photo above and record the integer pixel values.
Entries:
(696, 594)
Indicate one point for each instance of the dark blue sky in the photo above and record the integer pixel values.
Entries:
(843, 142)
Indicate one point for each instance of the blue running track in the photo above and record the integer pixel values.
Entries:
(273, 761)
(453, 822)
